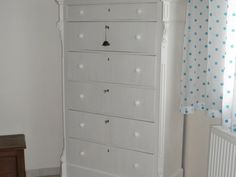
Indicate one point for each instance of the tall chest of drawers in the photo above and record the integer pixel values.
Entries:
(121, 69)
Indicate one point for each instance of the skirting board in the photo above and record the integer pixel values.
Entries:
(81, 171)
(43, 172)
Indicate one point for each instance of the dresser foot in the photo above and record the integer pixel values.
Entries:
(63, 165)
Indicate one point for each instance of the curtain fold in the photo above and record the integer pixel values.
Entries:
(209, 59)
(229, 92)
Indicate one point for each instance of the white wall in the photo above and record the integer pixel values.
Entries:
(197, 144)
(30, 78)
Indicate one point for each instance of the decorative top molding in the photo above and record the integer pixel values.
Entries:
(61, 2)
(123, 1)
(60, 23)
(174, 1)
(108, 1)
(174, 10)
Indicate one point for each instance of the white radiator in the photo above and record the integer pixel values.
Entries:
(222, 155)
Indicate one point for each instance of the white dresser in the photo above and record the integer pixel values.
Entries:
(121, 76)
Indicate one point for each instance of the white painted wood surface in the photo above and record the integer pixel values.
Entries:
(137, 109)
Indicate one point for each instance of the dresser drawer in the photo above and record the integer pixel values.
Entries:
(86, 126)
(133, 103)
(135, 135)
(124, 133)
(75, 171)
(111, 100)
(117, 161)
(113, 12)
(90, 155)
(88, 97)
(87, 67)
(138, 37)
(110, 67)
(132, 164)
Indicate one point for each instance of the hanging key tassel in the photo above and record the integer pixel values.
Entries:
(106, 43)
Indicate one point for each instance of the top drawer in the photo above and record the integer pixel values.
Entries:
(114, 12)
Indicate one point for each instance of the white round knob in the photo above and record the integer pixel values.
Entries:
(137, 103)
(82, 125)
(81, 12)
(81, 66)
(136, 134)
(139, 11)
(81, 96)
(138, 37)
(82, 153)
(137, 70)
(81, 36)
(136, 165)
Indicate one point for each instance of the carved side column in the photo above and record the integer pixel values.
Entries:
(170, 7)
(162, 112)
(60, 26)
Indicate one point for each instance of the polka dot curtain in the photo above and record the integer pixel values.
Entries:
(208, 79)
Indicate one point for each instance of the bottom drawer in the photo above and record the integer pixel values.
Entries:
(78, 171)
(124, 163)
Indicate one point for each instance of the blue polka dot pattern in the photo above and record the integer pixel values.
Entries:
(209, 59)
(229, 91)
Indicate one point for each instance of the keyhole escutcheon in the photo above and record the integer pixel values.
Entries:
(106, 91)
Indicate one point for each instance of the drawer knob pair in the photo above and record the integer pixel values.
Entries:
(136, 165)
(81, 66)
(82, 153)
(138, 37)
(81, 12)
(137, 70)
(139, 11)
(81, 35)
(137, 103)
(136, 134)
(82, 125)
(81, 96)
